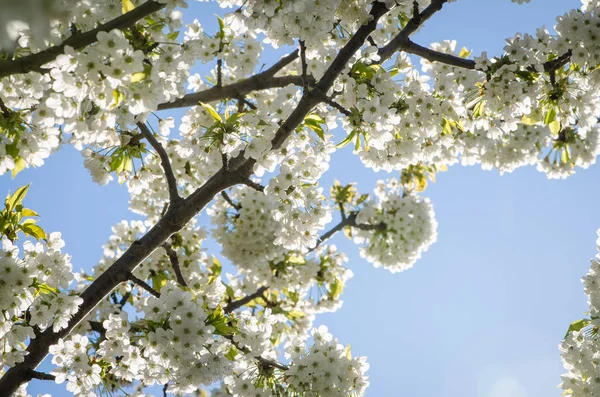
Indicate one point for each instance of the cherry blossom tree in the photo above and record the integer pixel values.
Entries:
(249, 153)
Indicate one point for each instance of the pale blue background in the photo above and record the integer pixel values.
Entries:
(482, 313)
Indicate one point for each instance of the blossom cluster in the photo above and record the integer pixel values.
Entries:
(33, 293)
(326, 368)
(404, 227)
(580, 350)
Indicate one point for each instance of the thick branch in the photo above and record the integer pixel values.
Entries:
(231, 306)
(174, 259)
(35, 61)
(164, 160)
(260, 81)
(399, 42)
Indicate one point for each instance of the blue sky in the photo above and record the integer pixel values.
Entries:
(482, 313)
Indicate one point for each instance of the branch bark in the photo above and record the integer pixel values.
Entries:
(240, 89)
(164, 160)
(435, 56)
(35, 61)
(399, 42)
(349, 221)
(174, 259)
(231, 306)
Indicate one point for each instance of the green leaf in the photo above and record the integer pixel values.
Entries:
(554, 127)
(550, 116)
(159, 280)
(464, 53)
(229, 291)
(578, 325)
(294, 314)
(29, 212)
(139, 76)
(531, 119)
(19, 166)
(126, 6)
(221, 24)
(218, 320)
(33, 230)
(118, 96)
(362, 198)
(346, 141)
(231, 354)
(215, 270)
(348, 353)
(45, 289)
(173, 35)
(117, 163)
(17, 197)
(216, 116)
(478, 109)
(314, 121)
(336, 288)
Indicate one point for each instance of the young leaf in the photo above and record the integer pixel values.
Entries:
(126, 6)
(216, 116)
(33, 230)
(578, 325)
(16, 198)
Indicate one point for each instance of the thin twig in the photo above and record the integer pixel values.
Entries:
(265, 362)
(143, 284)
(124, 299)
(165, 162)
(41, 375)
(335, 105)
(231, 306)
(219, 72)
(254, 185)
(304, 65)
(349, 221)
(174, 259)
(227, 198)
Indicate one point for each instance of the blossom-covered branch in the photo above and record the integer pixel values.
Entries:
(164, 160)
(34, 62)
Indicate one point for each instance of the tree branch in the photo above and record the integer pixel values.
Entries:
(304, 66)
(260, 81)
(435, 56)
(254, 185)
(349, 221)
(41, 375)
(225, 195)
(174, 259)
(165, 162)
(35, 61)
(231, 306)
(399, 42)
(141, 283)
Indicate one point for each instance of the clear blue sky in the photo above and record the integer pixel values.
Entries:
(482, 313)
